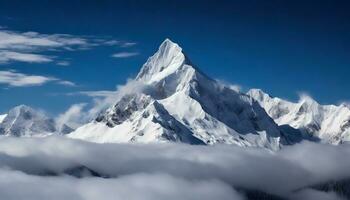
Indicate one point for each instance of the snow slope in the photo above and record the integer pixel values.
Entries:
(2, 117)
(184, 105)
(330, 123)
(23, 120)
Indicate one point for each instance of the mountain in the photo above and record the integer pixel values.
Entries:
(329, 123)
(23, 120)
(182, 104)
(2, 117)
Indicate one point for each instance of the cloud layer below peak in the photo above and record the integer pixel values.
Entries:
(42, 168)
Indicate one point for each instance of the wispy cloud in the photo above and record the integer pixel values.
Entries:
(125, 54)
(128, 44)
(103, 99)
(7, 56)
(234, 87)
(72, 117)
(17, 79)
(66, 83)
(33, 41)
(98, 93)
(63, 63)
(32, 47)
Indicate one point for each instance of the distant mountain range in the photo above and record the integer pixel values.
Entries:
(179, 103)
(24, 121)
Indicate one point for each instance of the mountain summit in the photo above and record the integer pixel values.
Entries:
(24, 121)
(165, 61)
(184, 105)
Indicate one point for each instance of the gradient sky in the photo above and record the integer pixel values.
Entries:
(282, 47)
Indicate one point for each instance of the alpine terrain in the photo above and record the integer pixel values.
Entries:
(329, 123)
(181, 104)
(23, 120)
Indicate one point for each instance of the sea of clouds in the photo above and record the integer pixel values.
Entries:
(37, 168)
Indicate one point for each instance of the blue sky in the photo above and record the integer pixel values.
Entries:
(282, 47)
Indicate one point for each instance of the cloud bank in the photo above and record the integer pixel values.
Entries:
(35, 168)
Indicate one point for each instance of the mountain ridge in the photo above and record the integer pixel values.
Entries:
(24, 121)
(210, 111)
(330, 123)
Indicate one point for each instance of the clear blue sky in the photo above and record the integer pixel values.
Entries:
(282, 47)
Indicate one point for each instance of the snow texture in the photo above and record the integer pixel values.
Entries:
(329, 123)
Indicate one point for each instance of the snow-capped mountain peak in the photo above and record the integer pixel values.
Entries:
(329, 123)
(185, 105)
(165, 61)
(22, 120)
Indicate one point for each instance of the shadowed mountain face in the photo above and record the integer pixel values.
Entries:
(181, 104)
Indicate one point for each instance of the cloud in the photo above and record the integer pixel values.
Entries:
(17, 79)
(17, 185)
(66, 83)
(63, 63)
(124, 54)
(176, 171)
(98, 93)
(29, 46)
(73, 117)
(33, 41)
(103, 99)
(310, 194)
(128, 44)
(6, 56)
(304, 96)
(234, 87)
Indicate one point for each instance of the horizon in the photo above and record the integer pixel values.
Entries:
(248, 45)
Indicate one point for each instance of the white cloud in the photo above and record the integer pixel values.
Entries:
(66, 83)
(35, 41)
(63, 63)
(176, 171)
(6, 56)
(73, 117)
(17, 79)
(98, 93)
(103, 99)
(128, 44)
(234, 87)
(124, 54)
(16, 185)
(112, 42)
(29, 46)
